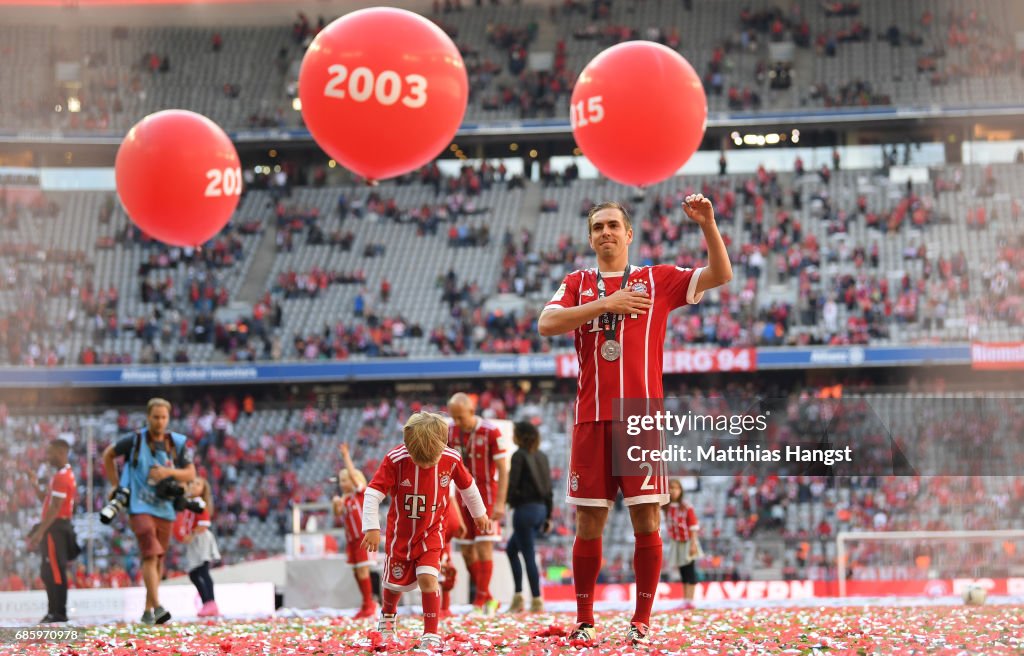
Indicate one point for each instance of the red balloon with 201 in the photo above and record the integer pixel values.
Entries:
(178, 177)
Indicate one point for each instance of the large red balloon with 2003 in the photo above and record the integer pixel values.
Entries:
(383, 91)
(638, 112)
(178, 177)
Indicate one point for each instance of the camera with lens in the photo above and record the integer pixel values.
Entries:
(118, 502)
(173, 491)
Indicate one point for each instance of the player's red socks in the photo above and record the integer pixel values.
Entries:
(485, 568)
(647, 565)
(431, 606)
(586, 565)
(391, 599)
(446, 590)
(474, 576)
(366, 587)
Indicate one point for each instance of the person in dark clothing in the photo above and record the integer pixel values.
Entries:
(530, 496)
(53, 535)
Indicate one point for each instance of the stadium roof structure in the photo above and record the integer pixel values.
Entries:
(195, 13)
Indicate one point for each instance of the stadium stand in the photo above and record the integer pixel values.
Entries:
(844, 257)
(83, 286)
(761, 526)
(910, 53)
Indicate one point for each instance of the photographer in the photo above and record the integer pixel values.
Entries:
(155, 467)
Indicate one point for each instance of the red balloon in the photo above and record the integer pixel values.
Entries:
(638, 112)
(383, 91)
(178, 177)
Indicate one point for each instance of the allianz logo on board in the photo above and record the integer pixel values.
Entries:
(167, 375)
(852, 356)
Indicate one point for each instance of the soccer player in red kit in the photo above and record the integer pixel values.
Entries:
(418, 476)
(349, 508)
(478, 441)
(619, 315)
(54, 536)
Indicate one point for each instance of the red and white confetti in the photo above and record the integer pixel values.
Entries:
(808, 631)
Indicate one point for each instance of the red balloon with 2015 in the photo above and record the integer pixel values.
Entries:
(638, 112)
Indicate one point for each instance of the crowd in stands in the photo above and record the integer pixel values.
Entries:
(256, 476)
(1002, 287)
(471, 328)
(183, 289)
(253, 477)
(966, 43)
(178, 309)
(371, 335)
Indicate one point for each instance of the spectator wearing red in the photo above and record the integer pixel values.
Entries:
(193, 530)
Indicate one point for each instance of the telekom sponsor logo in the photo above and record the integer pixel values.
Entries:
(1003, 355)
(683, 361)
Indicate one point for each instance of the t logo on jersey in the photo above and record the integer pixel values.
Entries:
(415, 505)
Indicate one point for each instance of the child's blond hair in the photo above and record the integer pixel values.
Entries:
(426, 436)
(358, 480)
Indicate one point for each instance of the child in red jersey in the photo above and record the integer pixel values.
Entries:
(349, 508)
(683, 532)
(193, 530)
(417, 475)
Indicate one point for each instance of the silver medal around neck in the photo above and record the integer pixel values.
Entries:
(611, 350)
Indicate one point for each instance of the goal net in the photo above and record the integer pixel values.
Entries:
(932, 563)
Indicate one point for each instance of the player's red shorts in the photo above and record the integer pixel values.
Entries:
(357, 556)
(473, 535)
(400, 575)
(591, 482)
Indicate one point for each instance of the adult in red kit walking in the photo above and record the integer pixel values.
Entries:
(54, 536)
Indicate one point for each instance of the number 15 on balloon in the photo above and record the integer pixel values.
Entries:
(585, 112)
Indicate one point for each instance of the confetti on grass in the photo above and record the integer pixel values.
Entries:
(804, 631)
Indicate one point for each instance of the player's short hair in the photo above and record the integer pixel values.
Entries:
(609, 205)
(157, 402)
(461, 398)
(359, 480)
(60, 444)
(526, 436)
(426, 436)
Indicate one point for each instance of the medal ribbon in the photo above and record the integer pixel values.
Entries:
(609, 320)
